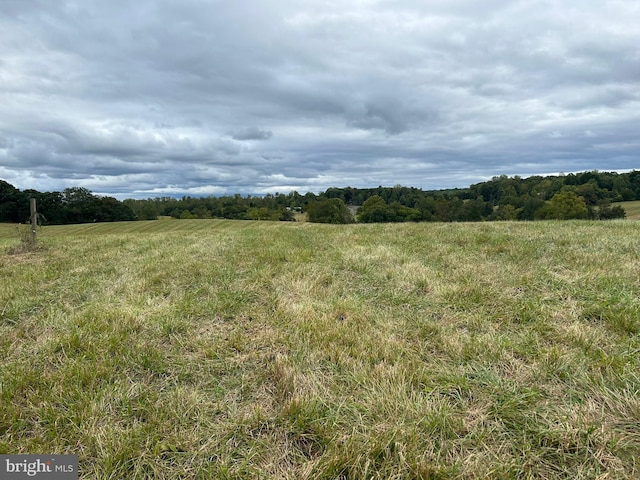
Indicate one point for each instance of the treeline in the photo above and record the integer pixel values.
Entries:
(73, 205)
(235, 207)
(587, 195)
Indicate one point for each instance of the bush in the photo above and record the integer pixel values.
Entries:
(28, 241)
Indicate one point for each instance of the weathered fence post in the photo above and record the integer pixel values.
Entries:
(34, 220)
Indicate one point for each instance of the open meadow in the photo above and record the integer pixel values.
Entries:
(238, 349)
(632, 209)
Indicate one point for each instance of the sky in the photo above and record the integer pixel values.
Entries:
(151, 98)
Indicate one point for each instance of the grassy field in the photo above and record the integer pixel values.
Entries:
(632, 209)
(222, 349)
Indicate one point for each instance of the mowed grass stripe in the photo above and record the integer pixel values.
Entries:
(117, 228)
(226, 349)
(631, 208)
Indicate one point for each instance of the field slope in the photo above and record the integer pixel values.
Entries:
(221, 349)
(631, 208)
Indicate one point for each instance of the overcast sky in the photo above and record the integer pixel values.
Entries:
(150, 98)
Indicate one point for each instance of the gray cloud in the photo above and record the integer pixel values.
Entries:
(251, 133)
(159, 97)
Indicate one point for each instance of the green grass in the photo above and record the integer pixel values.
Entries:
(222, 349)
(632, 209)
(9, 231)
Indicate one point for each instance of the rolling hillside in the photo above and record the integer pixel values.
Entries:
(632, 209)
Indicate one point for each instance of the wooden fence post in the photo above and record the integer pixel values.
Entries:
(34, 219)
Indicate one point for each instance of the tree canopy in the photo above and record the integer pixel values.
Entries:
(329, 210)
(582, 195)
(73, 205)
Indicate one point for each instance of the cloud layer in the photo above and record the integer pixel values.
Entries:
(156, 97)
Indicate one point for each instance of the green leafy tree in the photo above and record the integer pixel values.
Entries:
(329, 210)
(374, 210)
(402, 213)
(606, 212)
(109, 209)
(427, 207)
(530, 205)
(149, 211)
(505, 212)
(10, 201)
(186, 215)
(261, 213)
(473, 210)
(201, 211)
(286, 215)
(235, 209)
(566, 205)
(447, 210)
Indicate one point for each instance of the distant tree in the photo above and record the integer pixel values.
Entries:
(286, 215)
(530, 205)
(333, 192)
(473, 210)
(634, 184)
(590, 192)
(201, 212)
(447, 210)
(149, 211)
(108, 209)
(505, 212)
(235, 209)
(308, 198)
(261, 213)
(402, 213)
(10, 200)
(77, 195)
(49, 205)
(374, 210)
(566, 205)
(427, 207)
(78, 205)
(606, 212)
(329, 210)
